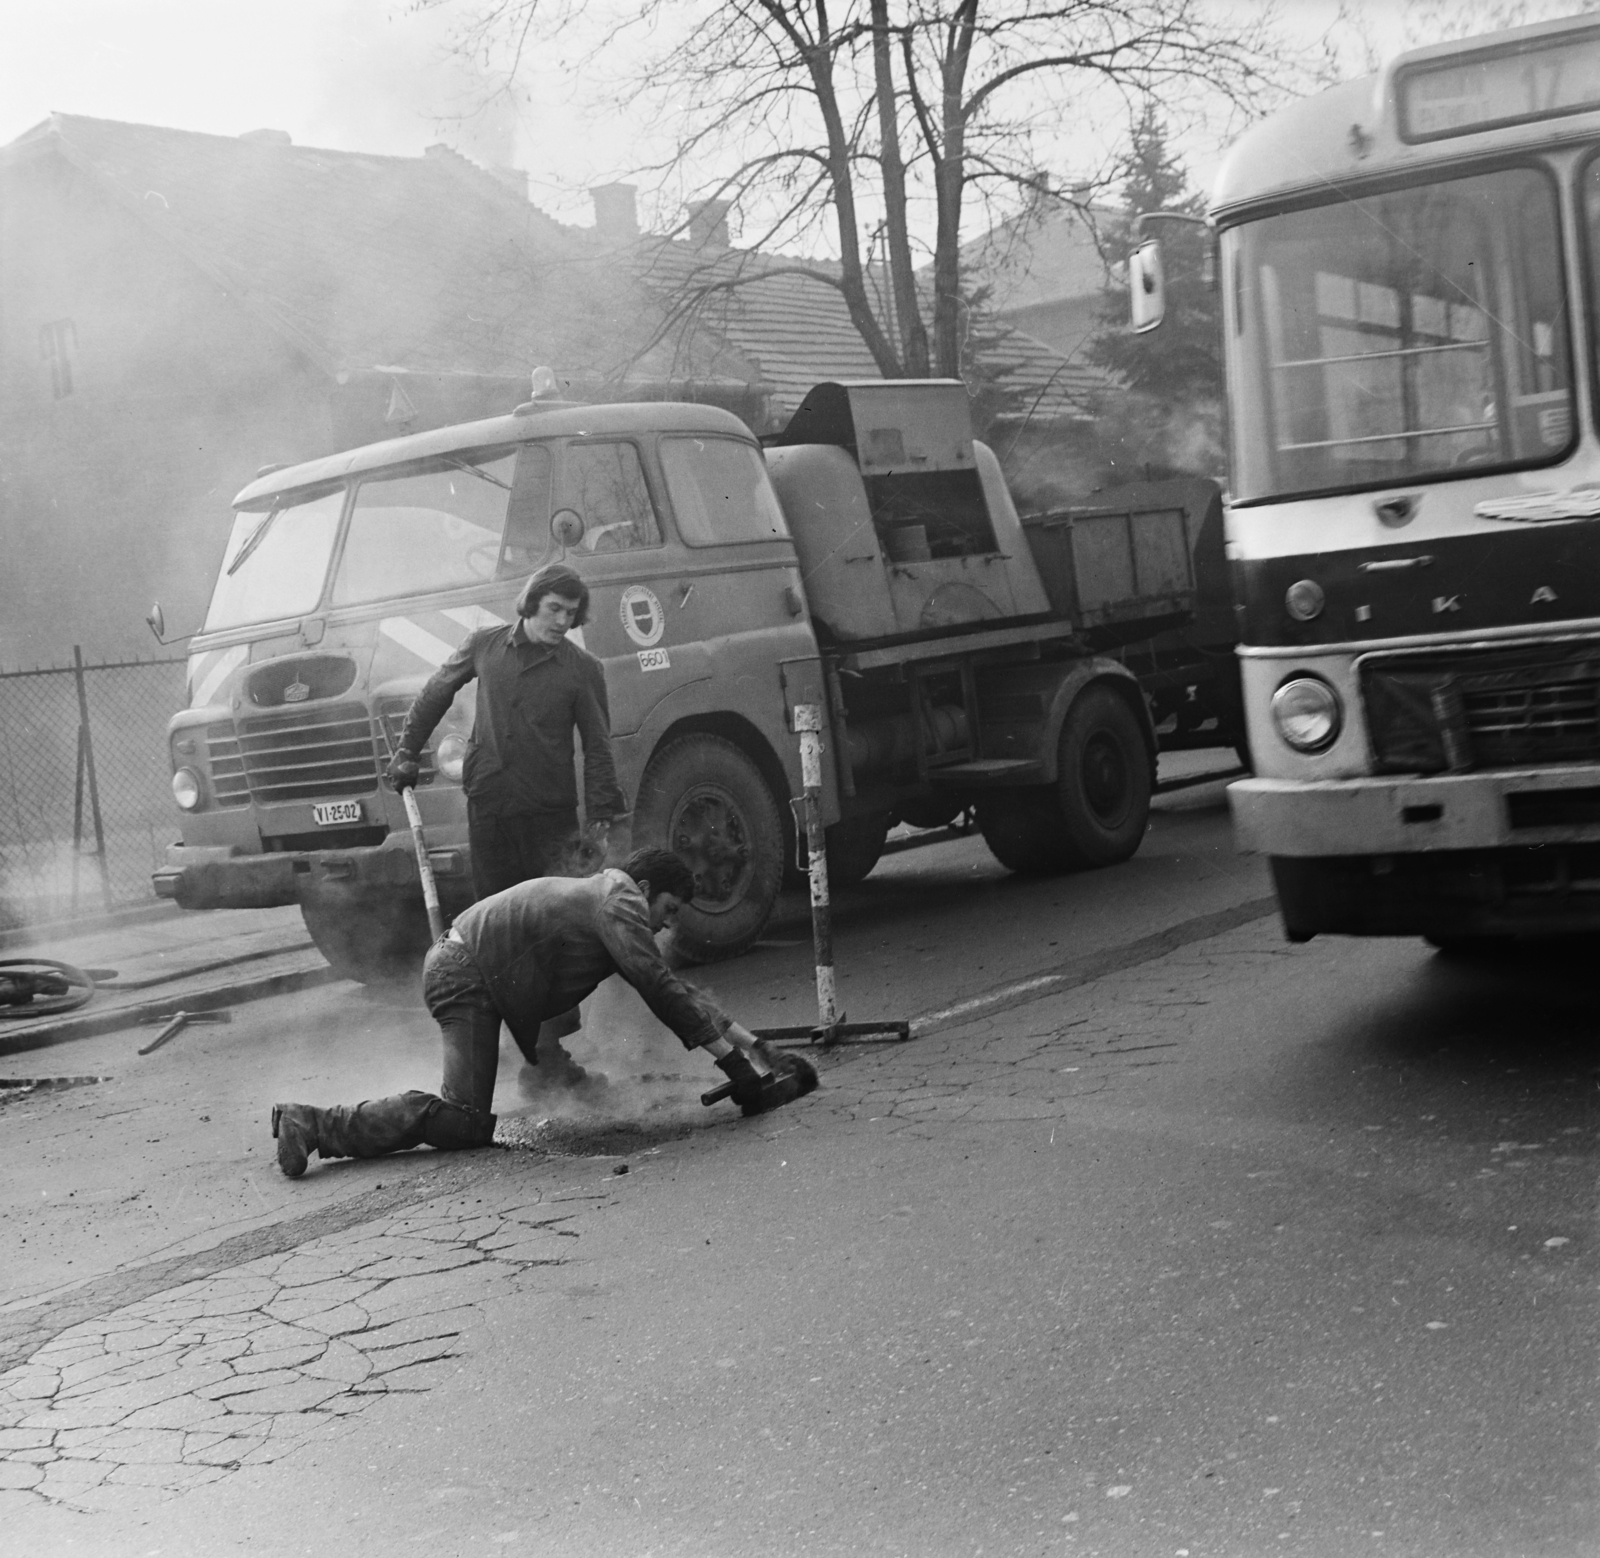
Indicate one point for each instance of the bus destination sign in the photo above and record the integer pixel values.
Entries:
(1530, 81)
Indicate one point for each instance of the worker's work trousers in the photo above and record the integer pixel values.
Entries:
(516, 847)
(460, 1114)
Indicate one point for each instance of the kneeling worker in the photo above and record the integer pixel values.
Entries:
(518, 957)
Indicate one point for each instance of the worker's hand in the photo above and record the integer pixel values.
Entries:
(402, 771)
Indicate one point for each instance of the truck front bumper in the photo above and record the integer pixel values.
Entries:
(1410, 814)
(218, 878)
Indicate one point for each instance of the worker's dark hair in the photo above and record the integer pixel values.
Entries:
(554, 579)
(663, 870)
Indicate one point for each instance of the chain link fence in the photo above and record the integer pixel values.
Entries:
(86, 808)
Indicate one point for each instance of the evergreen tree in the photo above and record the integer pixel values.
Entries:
(1182, 360)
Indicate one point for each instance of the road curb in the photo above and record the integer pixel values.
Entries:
(208, 998)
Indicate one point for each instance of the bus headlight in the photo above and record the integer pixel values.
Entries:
(451, 756)
(1308, 714)
(186, 789)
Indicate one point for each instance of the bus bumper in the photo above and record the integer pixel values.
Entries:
(1410, 814)
(1514, 853)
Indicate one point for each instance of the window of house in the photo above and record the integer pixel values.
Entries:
(604, 482)
(58, 345)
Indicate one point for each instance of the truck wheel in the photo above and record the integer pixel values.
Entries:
(1025, 831)
(702, 797)
(854, 848)
(1104, 779)
(374, 941)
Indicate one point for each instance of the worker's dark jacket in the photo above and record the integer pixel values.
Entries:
(544, 945)
(530, 697)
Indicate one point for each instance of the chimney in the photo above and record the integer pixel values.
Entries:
(708, 223)
(616, 218)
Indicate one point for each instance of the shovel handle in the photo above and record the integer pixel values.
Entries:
(430, 891)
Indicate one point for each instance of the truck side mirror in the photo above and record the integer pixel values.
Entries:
(1147, 292)
(157, 622)
(566, 526)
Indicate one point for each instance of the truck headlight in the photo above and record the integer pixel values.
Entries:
(1308, 713)
(451, 756)
(186, 788)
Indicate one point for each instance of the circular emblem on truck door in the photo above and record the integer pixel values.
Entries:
(642, 617)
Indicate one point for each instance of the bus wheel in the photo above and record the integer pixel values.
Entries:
(1104, 779)
(703, 798)
(1025, 831)
(372, 940)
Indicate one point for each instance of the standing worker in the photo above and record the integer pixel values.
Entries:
(517, 957)
(535, 687)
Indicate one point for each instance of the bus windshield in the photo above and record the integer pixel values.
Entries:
(1418, 333)
(275, 562)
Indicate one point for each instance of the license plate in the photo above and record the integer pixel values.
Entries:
(329, 814)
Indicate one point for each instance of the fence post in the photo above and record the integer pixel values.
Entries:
(86, 749)
(77, 815)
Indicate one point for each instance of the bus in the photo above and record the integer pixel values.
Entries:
(1408, 266)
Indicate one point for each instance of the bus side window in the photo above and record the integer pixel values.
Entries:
(604, 482)
(527, 535)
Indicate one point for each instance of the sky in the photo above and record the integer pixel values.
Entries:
(353, 75)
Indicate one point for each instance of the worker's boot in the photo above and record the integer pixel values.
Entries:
(790, 1077)
(373, 1128)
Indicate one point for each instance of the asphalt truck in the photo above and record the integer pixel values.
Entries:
(868, 560)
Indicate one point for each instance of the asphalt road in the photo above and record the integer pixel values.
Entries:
(1161, 1237)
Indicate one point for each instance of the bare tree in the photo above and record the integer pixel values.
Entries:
(873, 126)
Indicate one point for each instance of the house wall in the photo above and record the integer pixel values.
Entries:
(1063, 324)
(116, 494)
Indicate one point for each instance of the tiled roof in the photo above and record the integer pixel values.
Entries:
(787, 319)
(428, 264)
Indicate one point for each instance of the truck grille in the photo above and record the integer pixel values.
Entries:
(1487, 708)
(312, 754)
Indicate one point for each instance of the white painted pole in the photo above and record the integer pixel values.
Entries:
(808, 725)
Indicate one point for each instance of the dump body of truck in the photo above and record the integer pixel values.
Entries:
(879, 571)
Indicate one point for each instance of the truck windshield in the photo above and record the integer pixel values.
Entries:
(429, 530)
(1417, 333)
(275, 562)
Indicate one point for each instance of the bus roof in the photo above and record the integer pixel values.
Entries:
(1354, 131)
(557, 421)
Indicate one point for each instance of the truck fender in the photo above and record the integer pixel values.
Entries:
(1074, 677)
(740, 710)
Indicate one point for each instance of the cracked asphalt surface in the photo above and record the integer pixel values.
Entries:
(1171, 1238)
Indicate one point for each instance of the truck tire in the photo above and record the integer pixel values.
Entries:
(1104, 779)
(702, 797)
(374, 941)
(855, 846)
(1025, 831)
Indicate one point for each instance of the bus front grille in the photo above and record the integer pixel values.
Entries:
(312, 754)
(1484, 708)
